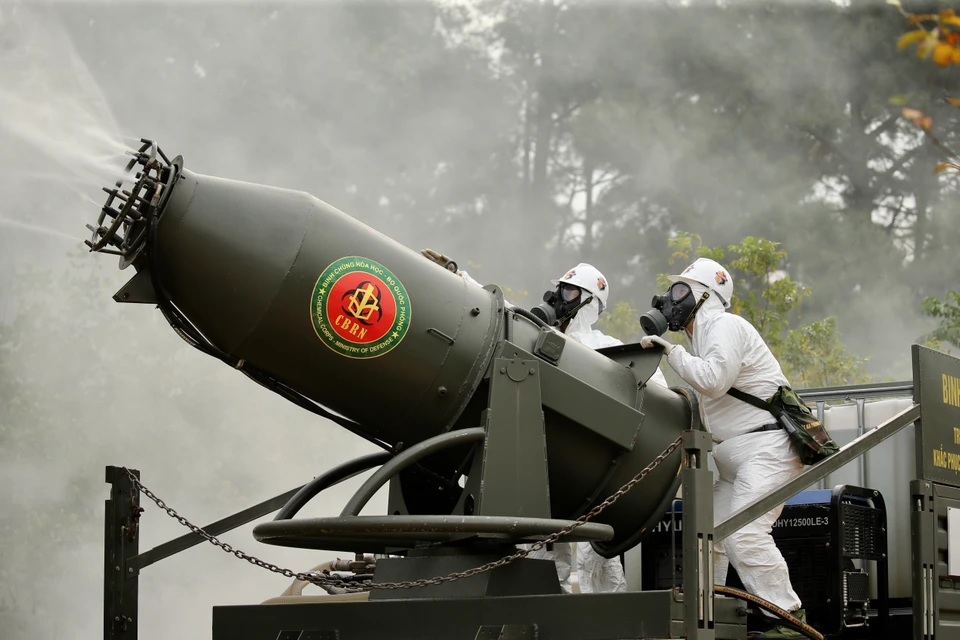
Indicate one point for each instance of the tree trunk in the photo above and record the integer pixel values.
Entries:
(536, 200)
(587, 248)
(527, 138)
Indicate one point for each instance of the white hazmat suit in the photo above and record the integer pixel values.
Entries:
(594, 572)
(727, 351)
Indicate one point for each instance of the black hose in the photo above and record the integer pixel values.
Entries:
(529, 316)
(792, 621)
(407, 458)
(328, 479)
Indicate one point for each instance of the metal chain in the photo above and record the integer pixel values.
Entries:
(321, 580)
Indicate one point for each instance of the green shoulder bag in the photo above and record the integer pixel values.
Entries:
(808, 436)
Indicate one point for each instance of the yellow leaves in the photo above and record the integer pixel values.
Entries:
(943, 54)
(922, 18)
(898, 100)
(948, 16)
(937, 43)
(954, 101)
(927, 45)
(910, 37)
(943, 166)
(918, 118)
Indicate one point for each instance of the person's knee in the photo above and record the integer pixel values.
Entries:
(750, 547)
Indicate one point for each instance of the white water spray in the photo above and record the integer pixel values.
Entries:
(50, 102)
(41, 230)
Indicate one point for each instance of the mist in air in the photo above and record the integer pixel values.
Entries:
(519, 138)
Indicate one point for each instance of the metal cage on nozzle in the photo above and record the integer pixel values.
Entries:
(122, 225)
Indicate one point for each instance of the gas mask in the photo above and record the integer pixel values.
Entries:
(672, 311)
(560, 305)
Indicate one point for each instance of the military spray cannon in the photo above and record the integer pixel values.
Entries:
(495, 429)
(350, 324)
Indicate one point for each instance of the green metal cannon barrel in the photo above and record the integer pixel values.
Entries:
(339, 312)
(302, 293)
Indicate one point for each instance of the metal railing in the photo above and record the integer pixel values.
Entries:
(873, 390)
(821, 470)
(858, 394)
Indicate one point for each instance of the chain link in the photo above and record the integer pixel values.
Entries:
(327, 581)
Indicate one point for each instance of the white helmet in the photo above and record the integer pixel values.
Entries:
(710, 274)
(587, 277)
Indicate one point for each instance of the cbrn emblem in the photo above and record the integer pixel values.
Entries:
(359, 308)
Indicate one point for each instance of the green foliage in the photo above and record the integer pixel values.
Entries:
(620, 321)
(947, 312)
(683, 246)
(816, 357)
(515, 296)
(764, 295)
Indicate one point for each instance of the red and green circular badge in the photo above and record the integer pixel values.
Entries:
(359, 308)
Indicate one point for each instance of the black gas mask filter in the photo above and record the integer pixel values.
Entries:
(560, 305)
(672, 311)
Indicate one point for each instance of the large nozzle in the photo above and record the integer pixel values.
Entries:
(346, 322)
(122, 224)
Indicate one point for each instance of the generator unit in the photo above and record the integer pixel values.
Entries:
(828, 538)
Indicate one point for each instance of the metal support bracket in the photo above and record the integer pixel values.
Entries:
(924, 561)
(515, 445)
(698, 599)
(121, 546)
(138, 290)
(573, 399)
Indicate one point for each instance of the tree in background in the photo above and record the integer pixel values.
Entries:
(622, 139)
(765, 295)
(937, 38)
(947, 313)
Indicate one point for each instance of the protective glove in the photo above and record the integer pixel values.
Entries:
(440, 259)
(648, 341)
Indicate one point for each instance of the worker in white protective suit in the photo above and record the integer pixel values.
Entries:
(595, 573)
(752, 453)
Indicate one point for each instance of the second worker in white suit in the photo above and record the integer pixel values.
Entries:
(583, 282)
(752, 453)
